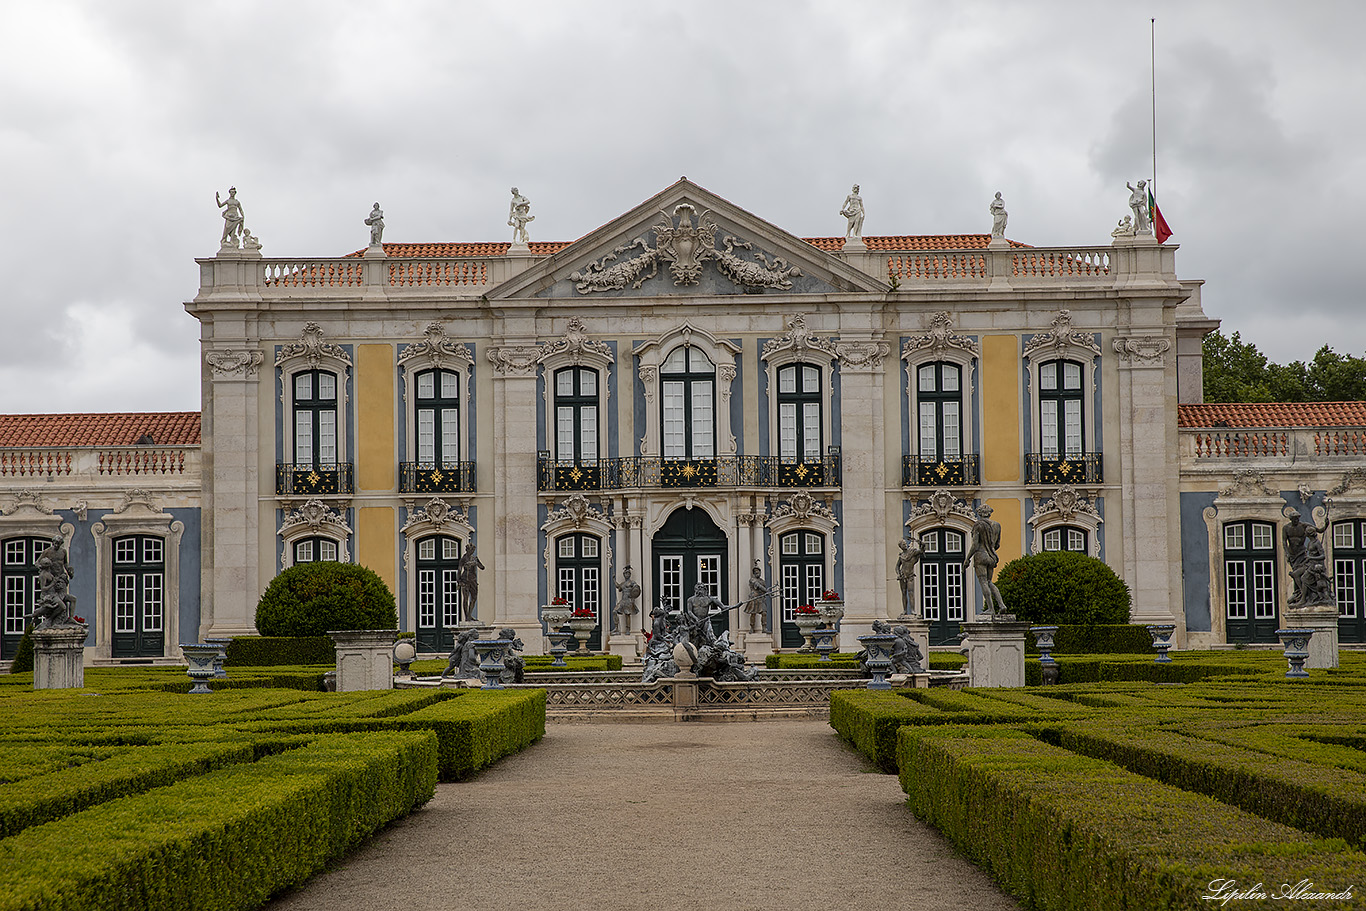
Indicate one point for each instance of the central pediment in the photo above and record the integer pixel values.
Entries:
(686, 242)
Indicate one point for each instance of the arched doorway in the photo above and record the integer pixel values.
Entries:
(690, 549)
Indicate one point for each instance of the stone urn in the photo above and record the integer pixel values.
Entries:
(405, 650)
(807, 624)
(200, 656)
(559, 646)
(556, 615)
(1162, 635)
(222, 658)
(832, 611)
(491, 653)
(1043, 638)
(878, 657)
(825, 642)
(1295, 642)
(583, 628)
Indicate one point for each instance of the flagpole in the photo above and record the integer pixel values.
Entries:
(1152, 63)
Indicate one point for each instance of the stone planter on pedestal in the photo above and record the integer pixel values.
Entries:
(201, 657)
(807, 624)
(491, 653)
(1295, 642)
(1323, 620)
(878, 658)
(365, 659)
(831, 611)
(583, 628)
(1162, 635)
(221, 658)
(555, 616)
(996, 653)
(825, 642)
(59, 657)
(559, 640)
(1043, 638)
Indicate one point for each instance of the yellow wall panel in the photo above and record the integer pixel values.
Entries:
(376, 533)
(1001, 408)
(375, 463)
(1011, 516)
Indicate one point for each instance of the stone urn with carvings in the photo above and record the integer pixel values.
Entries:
(808, 619)
(583, 622)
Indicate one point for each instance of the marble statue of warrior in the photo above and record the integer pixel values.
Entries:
(464, 662)
(1138, 201)
(467, 579)
(911, 549)
(55, 605)
(519, 213)
(998, 216)
(759, 596)
(626, 603)
(986, 539)
(232, 216)
(853, 210)
(376, 222)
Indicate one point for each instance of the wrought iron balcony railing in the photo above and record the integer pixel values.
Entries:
(1054, 469)
(633, 472)
(301, 479)
(431, 477)
(927, 471)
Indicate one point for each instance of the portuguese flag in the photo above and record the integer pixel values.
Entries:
(1159, 223)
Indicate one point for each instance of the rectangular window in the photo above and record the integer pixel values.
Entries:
(327, 438)
(566, 547)
(787, 431)
(426, 598)
(1048, 429)
(588, 415)
(1261, 537)
(929, 431)
(303, 552)
(327, 387)
(787, 381)
(450, 598)
(15, 606)
(1235, 583)
(815, 544)
(952, 436)
(1076, 541)
(152, 602)
(703, 418)
(1344, 573)
(815, 582)
(450, 549)
(450, 436)
(152, 550)
(303, 439)
(674, 419)
(1344, 536)
(1263, 589)
(590, 588)
(450, 385)
(671, 580)
(327, 551)
(1072, 428)
(709, 574)
(1233, 537)
(426, 549)
(426, 386)
(792, 589)
(590, 547)
(1048, 376)
(953, 592)
(126, 550)
(926, 381)
(790, 545)
(125, 603)
(811, 379)
(567, 587)
(811, 432)
(303, 386)
(929, 590)
(16, 553)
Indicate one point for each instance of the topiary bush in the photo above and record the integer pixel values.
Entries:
(311, 598)
(1063, 588)
(23, 655)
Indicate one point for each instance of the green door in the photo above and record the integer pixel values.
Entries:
(690, 550)
(139, 597)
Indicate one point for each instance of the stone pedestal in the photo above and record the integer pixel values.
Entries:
(365, 659)
(1323, 620)
(630, 646)
(756, 646)
(920, 632)
(996, 653)
(59, 658)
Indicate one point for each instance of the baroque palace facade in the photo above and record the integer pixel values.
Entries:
(694, 393)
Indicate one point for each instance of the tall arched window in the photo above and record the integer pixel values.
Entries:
(315, 419)
(438, 418)
(576, 414)
(687, 383)
(1250, 581)
(1060, 410)
(799, 413)
(438, 592)
(801, 563)
(942, 597)
(939, 392)
(19, 575)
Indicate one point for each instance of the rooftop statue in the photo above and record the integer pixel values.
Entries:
(998, 217)
(1125, 227)
(233, 224)
(1138, 201)
(376, 222)
(986, 539)
(853, 210)
(519, 213)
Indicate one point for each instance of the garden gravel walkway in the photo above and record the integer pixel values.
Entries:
(758, 816)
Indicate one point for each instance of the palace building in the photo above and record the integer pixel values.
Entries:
(694, 393)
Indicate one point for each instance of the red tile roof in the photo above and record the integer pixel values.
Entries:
(165, 428)
(828, 244)
(1276, 414)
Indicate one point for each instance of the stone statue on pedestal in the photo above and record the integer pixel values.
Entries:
(376, 222)
(234, 225)
(467, 580)
(519, 213)
(1308, 563)
(56, 606)
(986, 539)
(853, 210)
(759, 596)
(626, 604)
(464, 662)
(1138, 201)
(998, 217)
(911, 549)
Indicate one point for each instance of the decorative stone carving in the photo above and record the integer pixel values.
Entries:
(519, 215)
(438, 514)
(861, 355)
(1247, 482)
(312, 349)
(81, 509)
(798, 340)
(1142, 350)
(1125, 227)
(227, 362)
(1067, 502)
(138, 497)
(576, 510)
(577, 346)
(999, 215)
(754, 276)
(598, 276)
(941, 504)
(30, 501)
(515, 360)
(648, 376)
(940, 340)
(1062, 337)
(1356, 477)
(376, 222)
(234, 225)
(854, 212)
(437, 348)
(803, 506)
(316, 516)
(683, 246)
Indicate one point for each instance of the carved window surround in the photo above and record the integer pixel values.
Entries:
(1062, 342)
(436, 351)
(29, 516)
(314, 518)
(311, 352)
(578, 515)
(940, 344)
(435, 517)
(1248, 497)
(801, 512)
(1068, 506)
(945, 508)
(799, 346)
(651, 355)
(137, 515)
(575, 349)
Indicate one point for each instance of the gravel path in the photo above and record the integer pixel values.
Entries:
(763, 816)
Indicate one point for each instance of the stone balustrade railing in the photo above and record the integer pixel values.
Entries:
(1278, 443)
(77, 463)
(265, 278)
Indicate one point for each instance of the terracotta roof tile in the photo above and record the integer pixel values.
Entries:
(165, 428)
(1273, 414)
(452, 250)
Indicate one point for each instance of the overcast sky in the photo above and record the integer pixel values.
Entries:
(119, 121)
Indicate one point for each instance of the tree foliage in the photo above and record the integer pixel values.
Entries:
(311, 598)
(1063, 588)
(1235, 371)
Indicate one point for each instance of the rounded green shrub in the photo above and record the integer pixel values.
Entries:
(23, 655)
(311, 598)
(1063, 588)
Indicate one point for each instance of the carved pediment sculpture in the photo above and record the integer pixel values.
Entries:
(576, 510)
(137, 500)
(798, 340)
(1356, 477)
(1142, 350)
(437, 348)
(312, 349)
(801, 505)
(1247, 482)
(939, 340)
(1067, 502)
(577, 345)
(942, 504)
(316, 516)
(30, 501)
(439, 514)
(1062, 337)
(861, 355)
(227, 362)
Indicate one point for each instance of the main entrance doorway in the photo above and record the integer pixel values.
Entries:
(689, 550)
